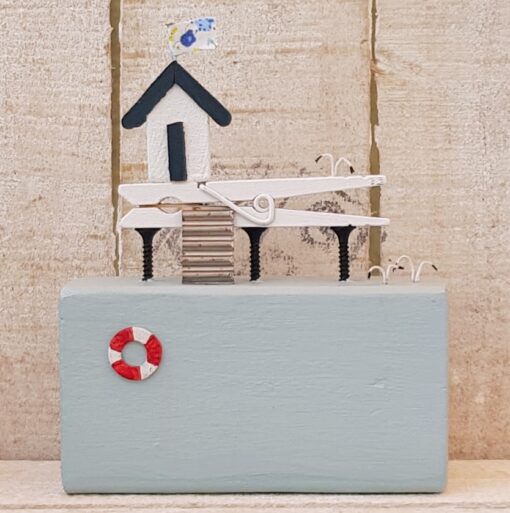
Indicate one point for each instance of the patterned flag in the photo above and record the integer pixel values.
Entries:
(192, 36)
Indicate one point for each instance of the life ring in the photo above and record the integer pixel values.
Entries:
(153, 349)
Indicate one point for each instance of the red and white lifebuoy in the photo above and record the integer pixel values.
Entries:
(153, 350)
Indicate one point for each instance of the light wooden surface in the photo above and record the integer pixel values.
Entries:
(444, 140)
(55, 198)
(244, 190)
(473, 486)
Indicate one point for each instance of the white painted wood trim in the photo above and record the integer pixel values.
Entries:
(244, 190)
(482, 486)
(153, 217)
(177, 106)
(289, 218)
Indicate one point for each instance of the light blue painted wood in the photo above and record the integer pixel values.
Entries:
(270, 387)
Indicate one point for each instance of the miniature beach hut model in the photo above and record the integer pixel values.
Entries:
(264, 386)
(176, 110)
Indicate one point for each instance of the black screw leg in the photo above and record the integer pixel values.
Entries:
(147, 237)
(343, 232)
(254, 234)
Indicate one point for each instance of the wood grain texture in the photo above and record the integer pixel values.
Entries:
(474, 486)
(55, 208)
(444, 110)
(295, 78)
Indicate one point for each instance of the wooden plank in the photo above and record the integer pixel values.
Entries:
(245, 190)
(200, 268)
(211, 254)
(294, 76)
(156, 217)
(472, 486)
(285, 217)
(55, 197)
(444, 117)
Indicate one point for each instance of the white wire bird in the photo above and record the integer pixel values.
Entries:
(420, 268)
(335, 165)
(411, 263)
(415, 272)
(385, 273)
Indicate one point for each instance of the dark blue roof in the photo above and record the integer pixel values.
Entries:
(175, 74)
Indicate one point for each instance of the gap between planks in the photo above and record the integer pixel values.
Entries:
(115, 63)
(375, 232)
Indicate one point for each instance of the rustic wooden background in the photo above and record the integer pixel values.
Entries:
(415, 89)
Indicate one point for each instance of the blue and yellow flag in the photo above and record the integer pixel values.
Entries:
(192, 36)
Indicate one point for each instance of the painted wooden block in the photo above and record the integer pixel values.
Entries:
(266, 387)
(177, 106)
